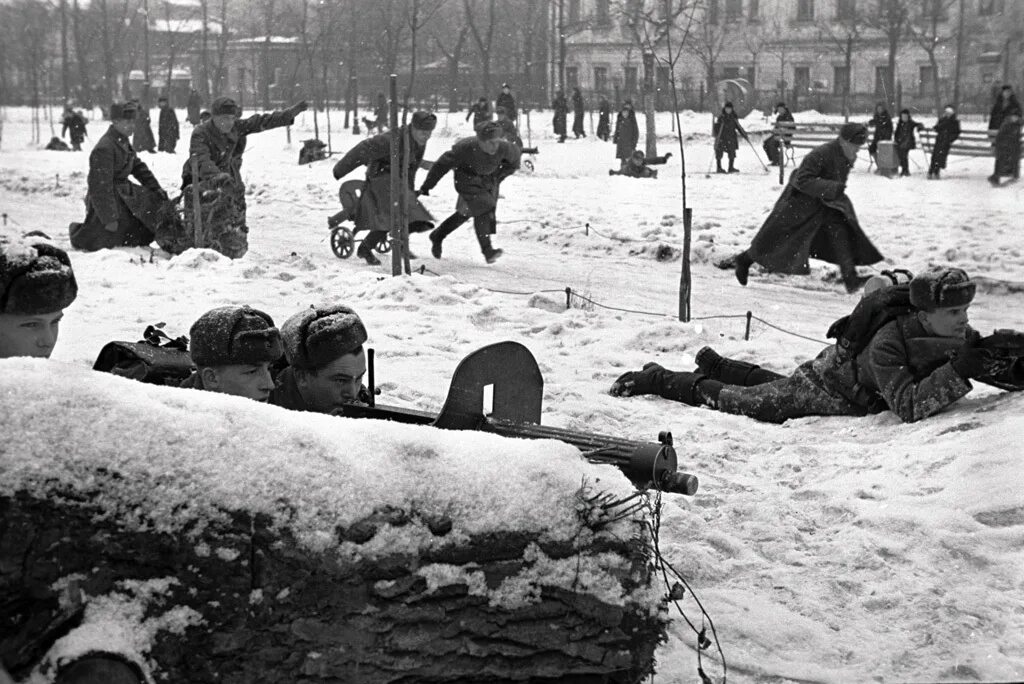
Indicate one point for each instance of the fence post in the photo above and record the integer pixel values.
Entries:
(197, 209)
(568, 298)
(746, 333)
(396, 180)
(685, 282)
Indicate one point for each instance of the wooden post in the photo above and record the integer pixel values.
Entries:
(782, 158)
(685, 282)
(197, 210)
(403, 207)
(396, 180)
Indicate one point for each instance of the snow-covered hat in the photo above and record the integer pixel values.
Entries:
(854, 133)
(941, 288)
(119, 111)
(35, 278)
(224, 105)
(231, 335)
(424, 121)
(487, 130)
(316, 336)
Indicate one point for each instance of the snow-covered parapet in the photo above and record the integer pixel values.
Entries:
(305, 544)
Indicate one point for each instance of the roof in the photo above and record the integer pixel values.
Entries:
(183, 26)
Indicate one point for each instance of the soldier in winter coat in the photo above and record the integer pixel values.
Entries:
(509, 130)
(36, 285)
(73, 121)
(627, 133)
(194, 107)
(947, 130)
(561, 108)
(579, 109)
(119, 213)
(167, 127)
(726, 129)
(814, 218)
(480, 164)
(374, 213)
(1005, 125)
(142, 139)
(480, 111)
(604, 114)
(905, 140)
(882, 123)
(216, 147)
(914, 365)
(506, 100)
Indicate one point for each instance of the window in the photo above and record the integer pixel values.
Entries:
(882, 82)
(601, 79)
(846, 9)
(989, 7)
(601, 14)
(572, 77)
(574, 12)
(629, 75)
(802, 78)
(926, 81)
(840, 80)
(805, 10)
(730, 72)
(712, 11)
(754, 11)
(733, 10)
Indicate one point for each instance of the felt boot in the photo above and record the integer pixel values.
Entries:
(730, 371)
(742, 267)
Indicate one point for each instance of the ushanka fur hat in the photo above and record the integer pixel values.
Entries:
(854, 133)
(941, 289)
(317, 336)
(35, 277)
(234, 335)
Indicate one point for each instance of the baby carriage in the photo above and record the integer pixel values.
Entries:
(343, 240)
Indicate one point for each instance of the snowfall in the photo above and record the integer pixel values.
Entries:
(835, 549)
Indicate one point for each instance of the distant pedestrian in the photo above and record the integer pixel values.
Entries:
(775, 144)
(604, 114)
(509, 131)
(380, 112)
(579, 109)
(167, 126)
(882, 122)
(506, 100)
(726, 129)
(905, 140)
(143, 140)
(74, 123)
(194, 107)
(561, 108)
(627, 133)
(947, 130)
(480, 111)
(1005, 125)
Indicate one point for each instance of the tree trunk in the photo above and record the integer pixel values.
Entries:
(108, 54)
(205, 77)
(81, 55)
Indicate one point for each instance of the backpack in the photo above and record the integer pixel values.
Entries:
(854, 332)
(156, 359)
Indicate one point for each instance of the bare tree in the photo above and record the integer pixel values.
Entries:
(81, 55)
(484, 39)
(706, 43)
(419, 14)
(177, 38)
(928, 27)
(845, 31)
(781, 49)
(453, 57)
(267, 7)
(219, 74)
(891, 20)
(390, 15)
(756, 38)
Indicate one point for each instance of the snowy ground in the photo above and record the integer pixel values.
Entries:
(831, 549)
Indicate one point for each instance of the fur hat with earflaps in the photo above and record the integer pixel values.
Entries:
(941, 288)
(35, 278)
(317, 336)
(234, 335)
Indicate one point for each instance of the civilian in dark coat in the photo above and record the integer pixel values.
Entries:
(374, 153)
(194, 107)
(882, 123)
(627, 133)
(561, 108)
(775, 144)
(915, 366)
(814, 218)
(905, 140)
(726, 130)
(579, 108)
(506, 100)
(143, 139)
(1005, 105)
(1004, 126)
(118, 212)
(604, 114)
(480, 164)
(480, 111)
(167, 127)
(75, 123)
(947, 130)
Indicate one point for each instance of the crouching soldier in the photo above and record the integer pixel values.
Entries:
(36, 285)
(216, 151)
(914, 365)
(233, 348)
(638, 166)
(119, 213)
(324, 349)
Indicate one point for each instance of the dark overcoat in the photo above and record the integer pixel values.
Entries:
(561, 112)
(217, 152)
(193, 107)
(947, 130)
(814, 195)
(74, 122)
(143, 139)
(604, 113)
(374, 153)
(112, 197)
(509, 103)
(167, 129)
(477, 174)
(578, 110)
(727, 130)
(1002, 109)
(904, 136)
(882, 123)
(627, 135)
(1008, 148)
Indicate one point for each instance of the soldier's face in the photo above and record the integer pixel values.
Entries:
(420, 136)
(252, 381)
(224, 122)
(947, 322)
(125, 126)
(336, 384)
(490, 146)
(33, 336)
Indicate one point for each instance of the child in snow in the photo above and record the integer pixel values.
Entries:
(637, 166)
(905, 140)
(726, 128)
(36, 285)
(947, 130)
(914, 365)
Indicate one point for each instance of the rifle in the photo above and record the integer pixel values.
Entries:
(1004, 343)
(510, 373)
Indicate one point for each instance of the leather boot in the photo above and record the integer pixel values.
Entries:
(742, 267)
(732, 372)
(693, 389)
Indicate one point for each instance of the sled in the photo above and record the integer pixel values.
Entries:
(343, 238)
(507, 374)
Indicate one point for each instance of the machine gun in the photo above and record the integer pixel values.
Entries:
(1004, 343)
(516, 387)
